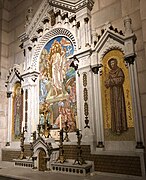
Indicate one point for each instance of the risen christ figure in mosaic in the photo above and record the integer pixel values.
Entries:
(115, 82)
(58, 73)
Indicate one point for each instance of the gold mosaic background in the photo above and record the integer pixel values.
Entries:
(129, 135)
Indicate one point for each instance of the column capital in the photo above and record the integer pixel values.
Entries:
(9, 93)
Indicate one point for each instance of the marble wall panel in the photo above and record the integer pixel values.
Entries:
(5, 38)
(139, 42)
(128, 7)
(95, 7)
(5, 25)
(142, 82)
(4, 50)
(4, 62)
(11, 36)
(5, 14)
(136, 20)
(105, 3)
(3, 123)
(4, 73)
(22, 7)
(140, 61)
(143, 103)
(144, 30)
(19, 30)
(142, 9)
(107, 14)
(12, 47)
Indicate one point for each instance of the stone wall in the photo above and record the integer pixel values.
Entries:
(4, 42)
(12, 20)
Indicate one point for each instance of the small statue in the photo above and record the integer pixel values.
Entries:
(29, 16)
(61, 157)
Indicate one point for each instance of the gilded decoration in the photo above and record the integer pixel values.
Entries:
(57, 92)
(84, 79)
(17, 113)
(85, 94)
(116, 98)
(86, 112)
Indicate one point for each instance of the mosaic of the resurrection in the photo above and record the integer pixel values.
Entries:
(57, 84)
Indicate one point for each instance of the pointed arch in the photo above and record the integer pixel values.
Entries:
(46, 38)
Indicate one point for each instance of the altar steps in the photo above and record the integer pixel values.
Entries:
(10, 154)
(119, 164)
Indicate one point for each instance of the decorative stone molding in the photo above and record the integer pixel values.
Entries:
(41, 12)
(51, 34)
(13, 76)
(73, 6)
(109, 41)
(85, 95)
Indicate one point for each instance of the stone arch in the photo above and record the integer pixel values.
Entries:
(41, 159)
(46, 38)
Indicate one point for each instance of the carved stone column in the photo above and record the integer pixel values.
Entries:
(86, 20)
(78, 35)
(98, 107)
(32, 115)
(130, 40)
(9, 96)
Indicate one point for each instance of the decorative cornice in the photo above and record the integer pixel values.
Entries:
(73, 6)
(48, 6)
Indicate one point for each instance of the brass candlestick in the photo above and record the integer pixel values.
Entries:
(39, 130)
(61, 157)
(66, 130)
(34, 136)
(49, 126)
(22, 138)
(79, 159)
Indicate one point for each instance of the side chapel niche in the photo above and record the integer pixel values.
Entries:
(116, 98)
(17, 111)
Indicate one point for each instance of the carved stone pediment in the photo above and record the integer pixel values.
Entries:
(111, 38)
(43, 143)
(13, 76)
(39, 143)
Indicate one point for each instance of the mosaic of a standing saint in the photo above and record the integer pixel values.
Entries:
(116, 98)
(57, 95)
(17, 111)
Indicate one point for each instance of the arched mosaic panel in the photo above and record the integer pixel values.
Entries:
(57, 84)
(116, 98)
(51, 34)
(17, 115)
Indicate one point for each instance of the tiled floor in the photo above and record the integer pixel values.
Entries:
(11, 173)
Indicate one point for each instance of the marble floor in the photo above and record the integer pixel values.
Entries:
(9, 172)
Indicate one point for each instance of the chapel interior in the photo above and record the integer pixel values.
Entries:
(72, 85)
